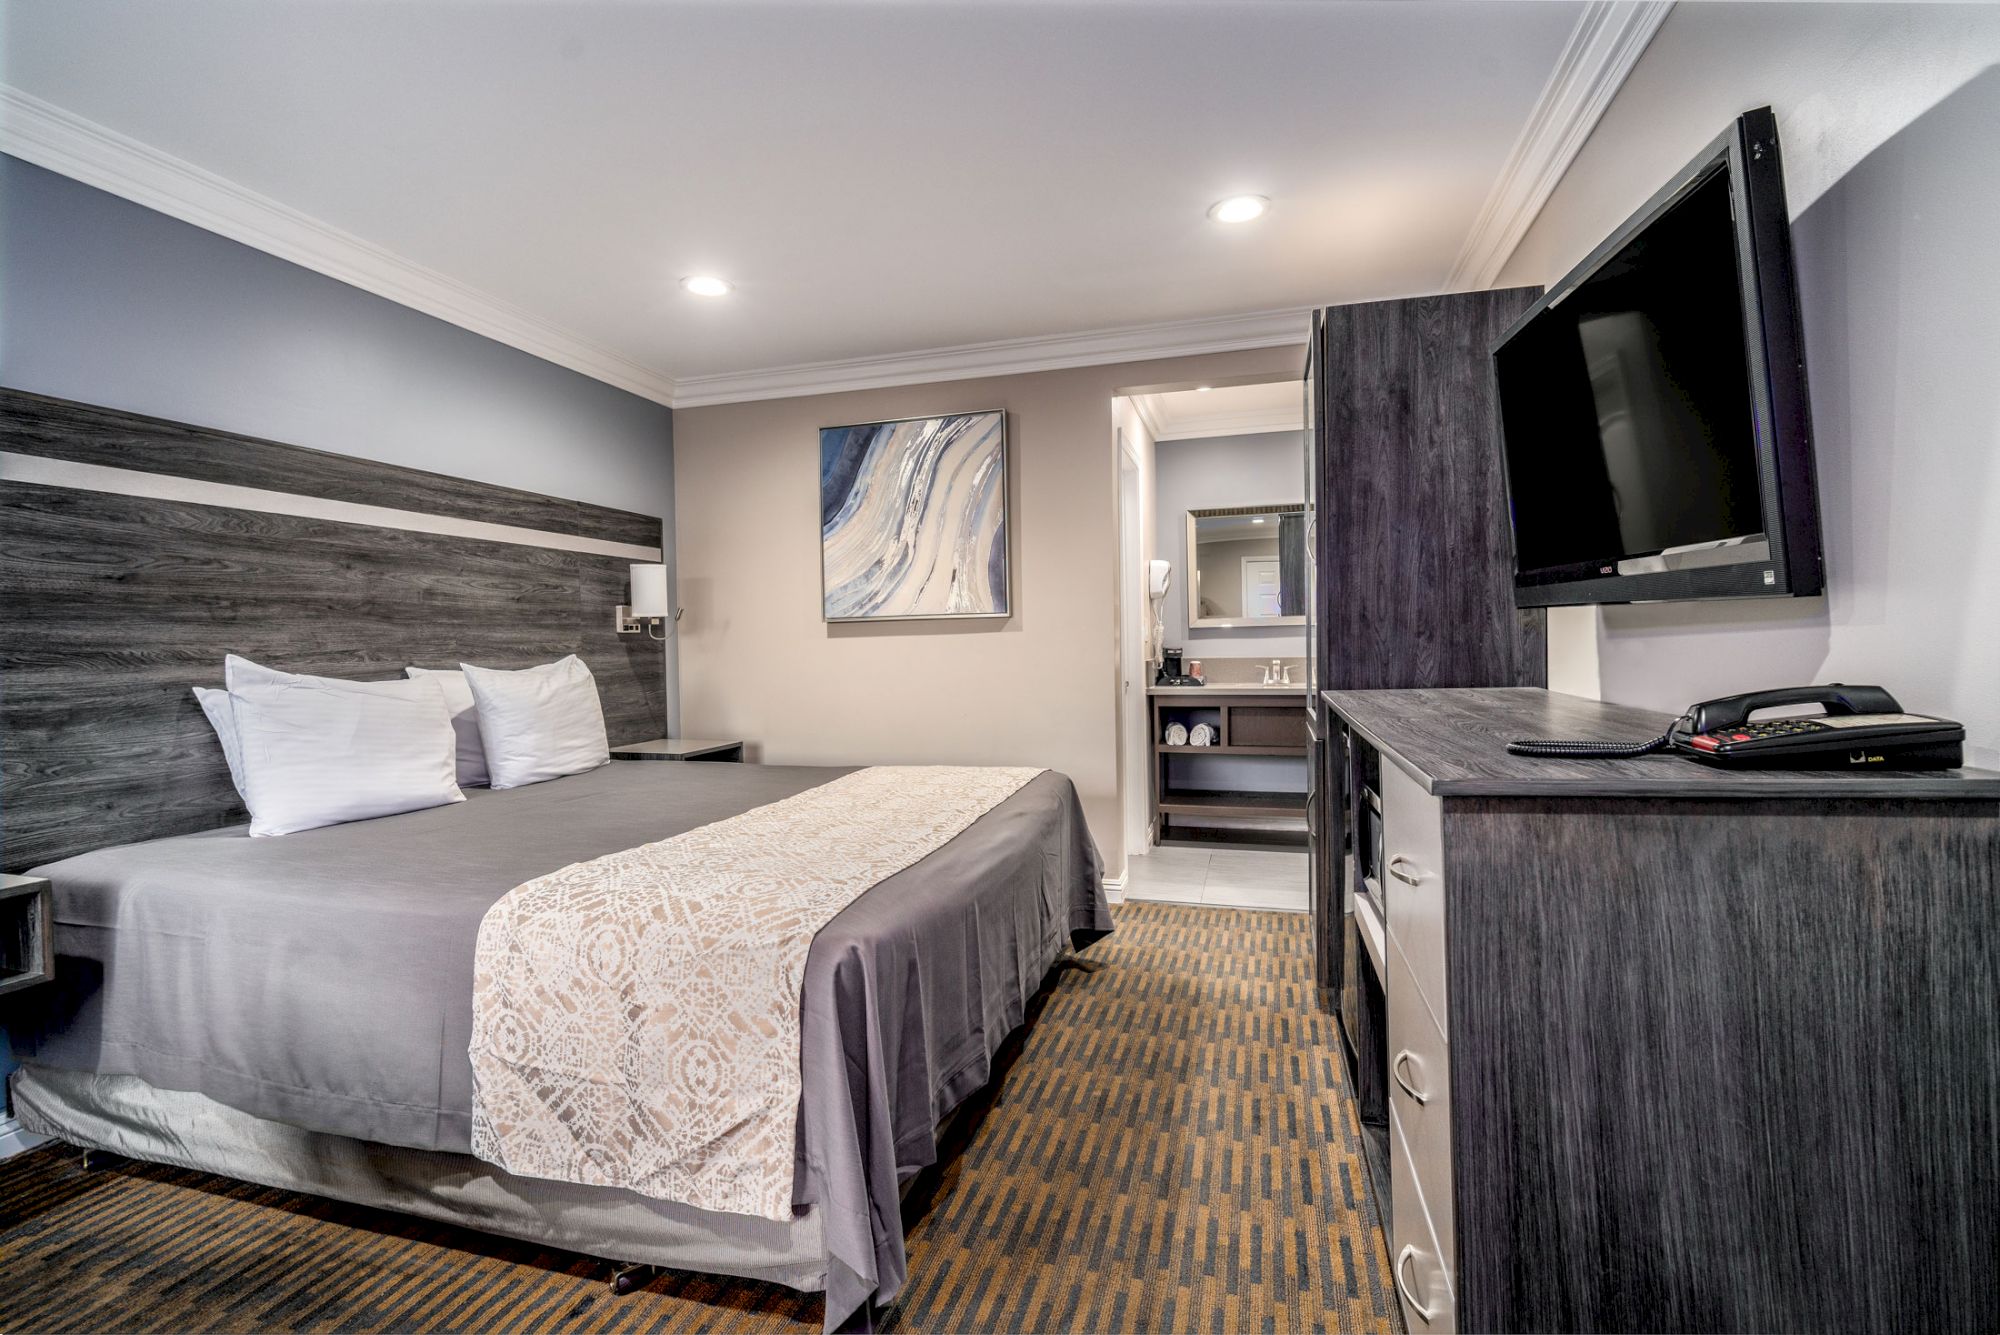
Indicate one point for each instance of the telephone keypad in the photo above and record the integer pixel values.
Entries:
(1779, 728)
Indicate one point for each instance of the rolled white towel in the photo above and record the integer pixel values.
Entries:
(1202, 734)
(1176, 734)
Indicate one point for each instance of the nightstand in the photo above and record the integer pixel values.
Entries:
(27, 933)
(678, 748)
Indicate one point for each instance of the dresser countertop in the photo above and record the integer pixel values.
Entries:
(1454, 743)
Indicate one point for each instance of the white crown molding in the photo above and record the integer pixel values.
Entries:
(1150, 412)
(1009, 356)
(1171, 418)
(1246, 422)
(1606, 43)
(40, 132)
(48, 136)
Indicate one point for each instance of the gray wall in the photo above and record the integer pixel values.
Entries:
(110, 303)
(1216, 471)
(107, 302)
(1899, 287)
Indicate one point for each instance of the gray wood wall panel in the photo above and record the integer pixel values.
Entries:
(1725, 1065)
(114, 606)
(83, 433)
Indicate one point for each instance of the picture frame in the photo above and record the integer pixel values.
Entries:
(914, 519)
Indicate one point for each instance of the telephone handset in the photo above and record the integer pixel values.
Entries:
(1860, 727)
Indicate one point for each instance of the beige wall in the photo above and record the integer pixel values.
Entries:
(1039, 688)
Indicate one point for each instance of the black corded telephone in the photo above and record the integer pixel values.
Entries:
(1861, 727)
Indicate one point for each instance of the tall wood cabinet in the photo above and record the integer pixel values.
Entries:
(1411, 582)
(1411, 571)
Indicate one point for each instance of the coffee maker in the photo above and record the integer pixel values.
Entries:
(1170, 673)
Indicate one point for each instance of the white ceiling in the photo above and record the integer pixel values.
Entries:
(876, 179)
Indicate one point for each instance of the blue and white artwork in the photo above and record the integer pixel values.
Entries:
(913, 518)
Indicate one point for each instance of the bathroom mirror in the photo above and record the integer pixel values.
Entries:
(1247, 566)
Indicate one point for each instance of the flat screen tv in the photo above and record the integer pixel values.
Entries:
(1653, 412)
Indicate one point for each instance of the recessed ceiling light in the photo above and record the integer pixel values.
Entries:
(1258, 520)
(1203, 389)
(703, 285)
(1239, 208)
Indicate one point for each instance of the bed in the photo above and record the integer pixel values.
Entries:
(296, 1011)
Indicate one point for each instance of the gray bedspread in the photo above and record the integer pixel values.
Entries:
(324, 979)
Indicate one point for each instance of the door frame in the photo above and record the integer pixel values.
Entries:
(1134, 733)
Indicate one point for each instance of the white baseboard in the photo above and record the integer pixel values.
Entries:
(16, 1140)
(1114, 889)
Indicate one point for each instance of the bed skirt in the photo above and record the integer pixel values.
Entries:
(124, 1115)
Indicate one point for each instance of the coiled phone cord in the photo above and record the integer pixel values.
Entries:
(1589, 750)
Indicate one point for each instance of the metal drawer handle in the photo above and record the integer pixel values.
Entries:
(1409, 1289)
(1413, 876)
(1403, 1059)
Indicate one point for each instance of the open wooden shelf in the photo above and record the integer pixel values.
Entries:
(1248, 723)
(27, 933)
(1188, 802)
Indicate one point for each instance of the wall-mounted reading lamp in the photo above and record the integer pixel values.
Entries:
(649, 610)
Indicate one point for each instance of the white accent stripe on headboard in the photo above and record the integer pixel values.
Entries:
(39, 471)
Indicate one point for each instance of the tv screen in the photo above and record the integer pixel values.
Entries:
(1641, 432)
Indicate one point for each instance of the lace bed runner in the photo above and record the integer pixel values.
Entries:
(635, 1018)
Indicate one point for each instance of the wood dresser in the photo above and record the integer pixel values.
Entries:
(1669, 1047)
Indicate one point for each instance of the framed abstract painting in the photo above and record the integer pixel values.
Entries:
(913, 518)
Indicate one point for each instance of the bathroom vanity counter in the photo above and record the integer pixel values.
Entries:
(1239, 688)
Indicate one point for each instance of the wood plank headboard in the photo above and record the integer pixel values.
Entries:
(137, 552)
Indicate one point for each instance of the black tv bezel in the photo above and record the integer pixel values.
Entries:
(1780, 408)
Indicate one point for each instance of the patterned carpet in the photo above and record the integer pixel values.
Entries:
(1170, 1149)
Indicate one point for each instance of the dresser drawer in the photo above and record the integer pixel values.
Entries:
(1413, 881)
(1420, 1091)
(1421, 1268)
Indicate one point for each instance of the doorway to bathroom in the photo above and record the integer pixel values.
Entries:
(1212, 764)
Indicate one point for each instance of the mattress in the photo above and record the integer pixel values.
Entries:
(125, 1115)
(324, 979)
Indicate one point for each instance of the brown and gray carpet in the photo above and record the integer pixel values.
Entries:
(1172, 1148)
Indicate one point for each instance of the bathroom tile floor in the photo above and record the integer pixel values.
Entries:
(1225, 877)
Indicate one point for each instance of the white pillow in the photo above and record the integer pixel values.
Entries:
(319, 753)
(464, 722)
(216, 709)
(237, 671)
(539, 723)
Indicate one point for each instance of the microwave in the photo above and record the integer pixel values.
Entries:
(1368, 844)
